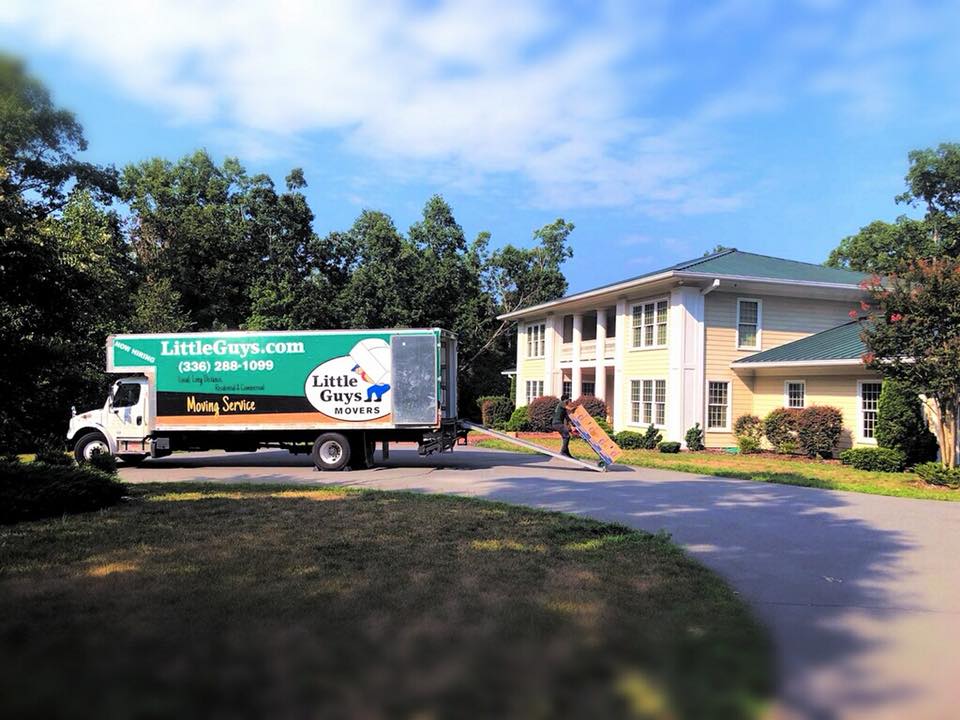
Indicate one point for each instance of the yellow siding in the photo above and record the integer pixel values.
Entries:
(840, 391)
(640, 364)
(782, 320)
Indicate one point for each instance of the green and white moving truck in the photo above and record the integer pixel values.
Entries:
(333, 393)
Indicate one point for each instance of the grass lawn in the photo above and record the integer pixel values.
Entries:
(226, 601)
(763, 469)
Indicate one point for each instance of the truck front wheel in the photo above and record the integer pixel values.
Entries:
(88, 445)
(331, 451)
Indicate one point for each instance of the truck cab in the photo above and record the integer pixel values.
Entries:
(119, 428)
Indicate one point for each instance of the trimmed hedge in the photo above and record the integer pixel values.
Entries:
(933, 473)
(519, 420)
(818, 430)
(495, 410)
(694, 438)
(876, 459)
(780, 427)
(540, 411)
(628, 440)
(747, 445)
(30, 491)
(593, 405)
(669, 447)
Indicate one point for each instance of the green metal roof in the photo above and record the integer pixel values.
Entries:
(840, 343)
(747, 264)
(735, 262)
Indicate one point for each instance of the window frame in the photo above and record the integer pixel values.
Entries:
(861, 436)
(653, 402)
(655, 325)
(736, 329)
(729, 406)
(786, 393)
(537, 346)
(537, 385)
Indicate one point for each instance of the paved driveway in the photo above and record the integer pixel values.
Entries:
(862, 592)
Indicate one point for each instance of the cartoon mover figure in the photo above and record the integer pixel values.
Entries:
(372, 364)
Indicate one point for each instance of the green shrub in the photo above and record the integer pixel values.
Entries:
(747, 445)
(818, 430)
(933, 473)
(495, 410)
(875, 459)
(540, 411)
(520, 420)
(30, 491)
(9, 457)
(901, 425)
(694, 438)
(51, 452)
(104, 462)
(605, 426)
(651, 438)
(669, 447)
(748, 426)
(780, 427)
(628, 440)
(593, 405)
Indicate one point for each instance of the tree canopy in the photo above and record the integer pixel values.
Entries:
(194, 244)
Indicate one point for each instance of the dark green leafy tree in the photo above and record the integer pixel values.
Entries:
(933, 183)
(913, 336)
(60, 259)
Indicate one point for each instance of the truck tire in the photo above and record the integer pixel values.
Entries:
(88, 444)
(331, 451)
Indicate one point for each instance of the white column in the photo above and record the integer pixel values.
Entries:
(550, 355)
(600, 374)
(577, 374)
(685, 382)
(520, 398)
(619, 391)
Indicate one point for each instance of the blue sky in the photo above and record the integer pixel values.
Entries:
(660, 129)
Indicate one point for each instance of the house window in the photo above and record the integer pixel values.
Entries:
(567, 388)
(748, 324)
(794, 393)
(718, 405)
(649, 324)
(648, 402)
(534, 390)
(536, 340)
(588, 388)
(869, 400)
(568, 328)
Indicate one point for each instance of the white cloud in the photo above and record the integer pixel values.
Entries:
(476, 88)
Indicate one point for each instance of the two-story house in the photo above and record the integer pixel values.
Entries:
(705, 341)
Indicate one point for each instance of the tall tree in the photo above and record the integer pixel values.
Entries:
(54, 272)
(933, 183)
(914, 336)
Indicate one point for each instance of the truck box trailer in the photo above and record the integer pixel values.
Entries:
(332, 393)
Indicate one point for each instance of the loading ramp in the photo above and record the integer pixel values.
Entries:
(596, 467)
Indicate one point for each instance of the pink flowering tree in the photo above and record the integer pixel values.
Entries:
(913, 335)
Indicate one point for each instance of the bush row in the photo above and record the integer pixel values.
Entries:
(30, 491)
(538, 415)
(815, 430)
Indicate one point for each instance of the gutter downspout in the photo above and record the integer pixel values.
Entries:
(710, 288)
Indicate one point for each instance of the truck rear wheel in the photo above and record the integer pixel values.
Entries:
(331, 451)
(88, 445)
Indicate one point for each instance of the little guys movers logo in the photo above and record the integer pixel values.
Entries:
(354, 386)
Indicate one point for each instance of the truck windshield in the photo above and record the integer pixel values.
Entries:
(127, 395)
